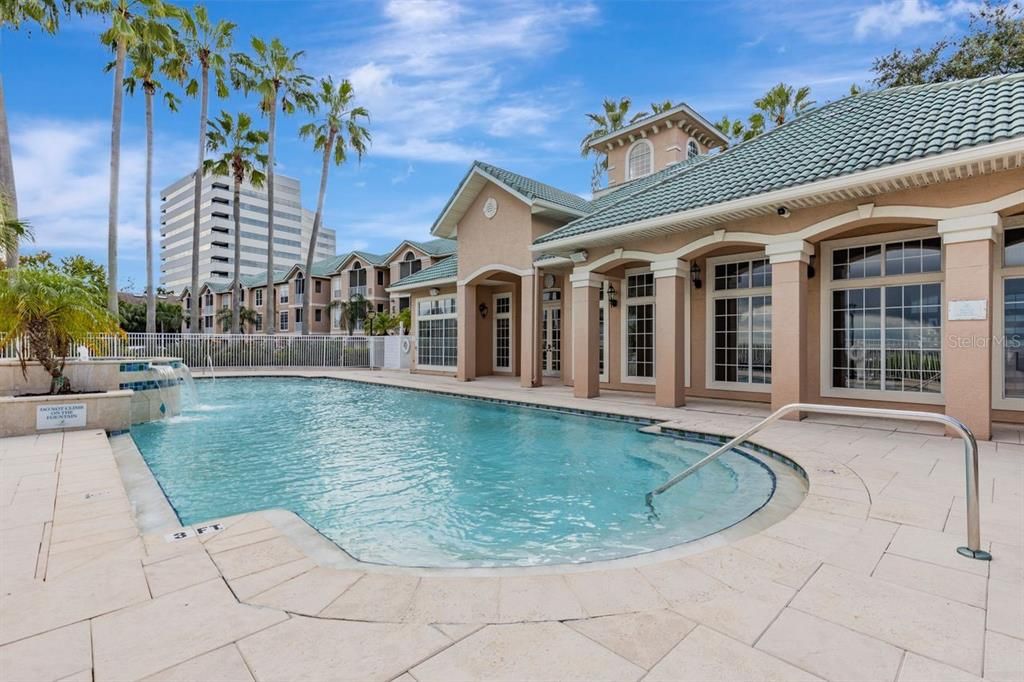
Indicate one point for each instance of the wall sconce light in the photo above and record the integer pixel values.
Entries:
(612, 300)
(483, 309)
(810, 268)
(695, 276)
(434, 291)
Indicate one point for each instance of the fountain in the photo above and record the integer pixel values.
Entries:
(184, 376)
(209, 367)
(166, 379)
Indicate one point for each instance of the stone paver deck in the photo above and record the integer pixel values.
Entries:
(861, 582)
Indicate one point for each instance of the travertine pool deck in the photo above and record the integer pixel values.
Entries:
(860, 582)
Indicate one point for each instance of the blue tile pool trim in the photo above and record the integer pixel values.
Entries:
(149, 384)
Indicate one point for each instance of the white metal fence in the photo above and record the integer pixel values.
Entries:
(244, 350)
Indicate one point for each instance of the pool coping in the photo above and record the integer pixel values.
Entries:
(791, 485)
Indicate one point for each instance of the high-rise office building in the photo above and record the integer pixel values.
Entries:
(293, 228)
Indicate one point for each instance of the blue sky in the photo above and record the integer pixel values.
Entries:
(446, 82)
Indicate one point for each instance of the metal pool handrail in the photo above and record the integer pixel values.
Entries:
(972, 550)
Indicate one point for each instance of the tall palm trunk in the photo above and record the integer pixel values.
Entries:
(115, 171)
(7, 188)
(150, 291)
(307, 302)
(271, 297)
(236, 291)
(197, 199)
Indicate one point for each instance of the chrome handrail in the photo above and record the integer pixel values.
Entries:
(973, 549)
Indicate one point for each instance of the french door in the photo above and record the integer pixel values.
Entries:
(551, 339)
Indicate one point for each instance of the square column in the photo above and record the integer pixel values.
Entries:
(529, 349)
(465, 306)
(586, 291)
(969, 245)
(670, 332)
(789, 322)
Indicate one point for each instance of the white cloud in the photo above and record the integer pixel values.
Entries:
(890, 19)
(433, 73)
(62, 174)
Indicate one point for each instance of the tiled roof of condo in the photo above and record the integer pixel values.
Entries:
(445, 271)
(852, 135)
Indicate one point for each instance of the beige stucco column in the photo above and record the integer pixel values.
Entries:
(529, 350)
(789, 321)
(586, 290)
(466, 308)
(670, 332)
(969, 245)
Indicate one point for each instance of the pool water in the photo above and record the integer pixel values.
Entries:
(418, 479)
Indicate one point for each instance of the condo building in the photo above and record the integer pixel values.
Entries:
(869, 252)
(293, 229)
(335, 285)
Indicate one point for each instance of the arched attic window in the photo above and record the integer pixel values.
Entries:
(640, 159)
(692, 149)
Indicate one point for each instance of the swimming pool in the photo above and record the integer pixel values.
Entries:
(410, 478)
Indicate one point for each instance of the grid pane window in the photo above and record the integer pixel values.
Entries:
(503, 332)
(639, 325)
(437, 328)
(750, 274)
(905, 257)
(640, 161)
(1013, 337)
(888, 338)
(743, 339)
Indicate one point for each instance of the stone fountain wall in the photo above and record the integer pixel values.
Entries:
(129, 391)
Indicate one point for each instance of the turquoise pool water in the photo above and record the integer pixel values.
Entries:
(419, 479)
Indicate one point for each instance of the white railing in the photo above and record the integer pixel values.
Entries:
(248, 350)
(357, 291)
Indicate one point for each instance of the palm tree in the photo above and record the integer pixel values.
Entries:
(46, 14)
(147, 56)
(781, 101)
(12, 231)
(352, 311)
(340, 121)
(273, 72)
(612, 117)
(231, 318)
(132, 22)
(46, 312)
(242, 160)
(207, 45)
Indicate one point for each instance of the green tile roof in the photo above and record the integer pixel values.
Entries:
(534, 189)
(446, 269)
(371, 258)
(851, 135)
(436, 247)
(620, 192)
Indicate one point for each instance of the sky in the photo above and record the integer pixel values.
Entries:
(446, 82)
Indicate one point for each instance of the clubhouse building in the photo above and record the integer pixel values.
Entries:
(869, 252)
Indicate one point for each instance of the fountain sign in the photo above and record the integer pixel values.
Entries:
(60, 416)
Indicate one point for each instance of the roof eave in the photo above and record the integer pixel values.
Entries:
(446, 224)
(641, 123)
(675, 221)
(440, 281)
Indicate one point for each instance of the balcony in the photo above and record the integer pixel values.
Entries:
(336, 293)
(298, 299)
(357, 291)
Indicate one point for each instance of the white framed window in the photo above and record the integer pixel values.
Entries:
(1008, 319)
(284, 321)
(283, 291)
(437, 333)
(259, 322)
(602, 333)
(739, 338)
(881, 312)
(692, 149)
(300, 285)
(503, 338)
(258, 297)
(410, 265)
(638, 342)
(640, 159)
